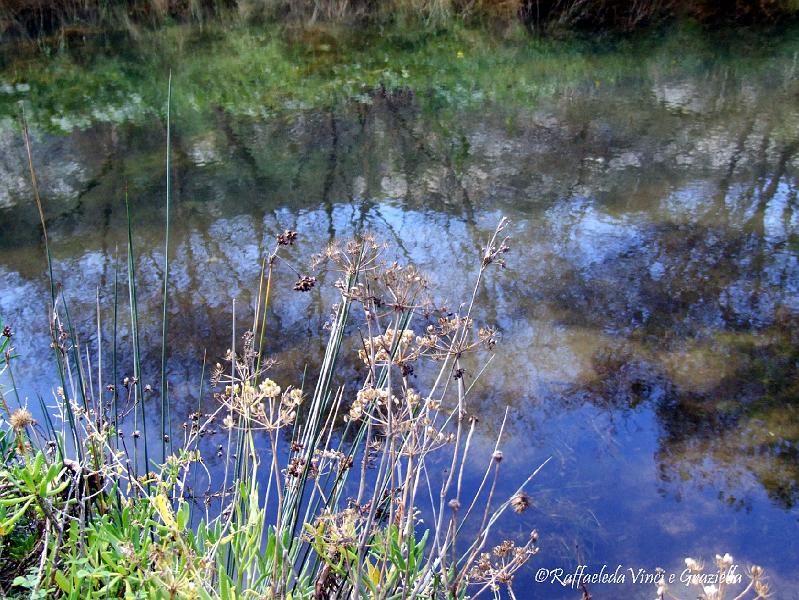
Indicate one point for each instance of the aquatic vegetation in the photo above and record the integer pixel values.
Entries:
(764, 439)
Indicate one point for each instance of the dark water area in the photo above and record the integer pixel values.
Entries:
(649, 311)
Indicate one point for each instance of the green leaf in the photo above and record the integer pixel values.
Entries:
(183, 516)
(62, 582)
(225, 592)
(396, 552)
(8, 525)
(51, 474)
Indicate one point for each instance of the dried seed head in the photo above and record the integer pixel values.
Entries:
(304, 284)
(724, 561)
(504, 549)
(497, 456)
(72, 465)
(20, 419)
(521, 502)
(7, 331)
(296, 466)
(454, 504)
(694, 565)
(136, 434)
(287, 238)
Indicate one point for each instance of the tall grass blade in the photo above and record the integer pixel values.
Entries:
(114, 367)
(138, 396)
(165, 416)
(60, 358)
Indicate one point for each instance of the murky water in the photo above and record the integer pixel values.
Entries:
(649, 312)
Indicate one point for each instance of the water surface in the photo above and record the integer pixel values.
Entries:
(649, 311)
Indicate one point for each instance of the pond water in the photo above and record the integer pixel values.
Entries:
(649, 311)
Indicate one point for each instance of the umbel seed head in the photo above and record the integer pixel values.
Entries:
(304, 284)
(521, 502)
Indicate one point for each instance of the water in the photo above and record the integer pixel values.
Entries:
(649, 312)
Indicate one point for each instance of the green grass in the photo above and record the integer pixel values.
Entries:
(262, 72)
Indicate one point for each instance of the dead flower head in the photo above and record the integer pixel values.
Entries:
(287, 238)
(304, 284)
(521, 502)
(20, 419)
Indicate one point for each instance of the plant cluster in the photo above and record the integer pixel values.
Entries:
(346, 500)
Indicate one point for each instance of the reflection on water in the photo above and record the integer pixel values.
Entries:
(649, 313)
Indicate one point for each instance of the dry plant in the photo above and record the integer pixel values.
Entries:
(347, 479)
(723, 583)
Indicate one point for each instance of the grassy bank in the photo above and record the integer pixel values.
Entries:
(248, 70)
(33, 18)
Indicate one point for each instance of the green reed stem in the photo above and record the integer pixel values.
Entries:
(50, 427)
(138, 396)
(56, 349)
(165, 416)
(99, 401)
(38, 199)
(197, 444)
(114, 370)
(13, 382)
